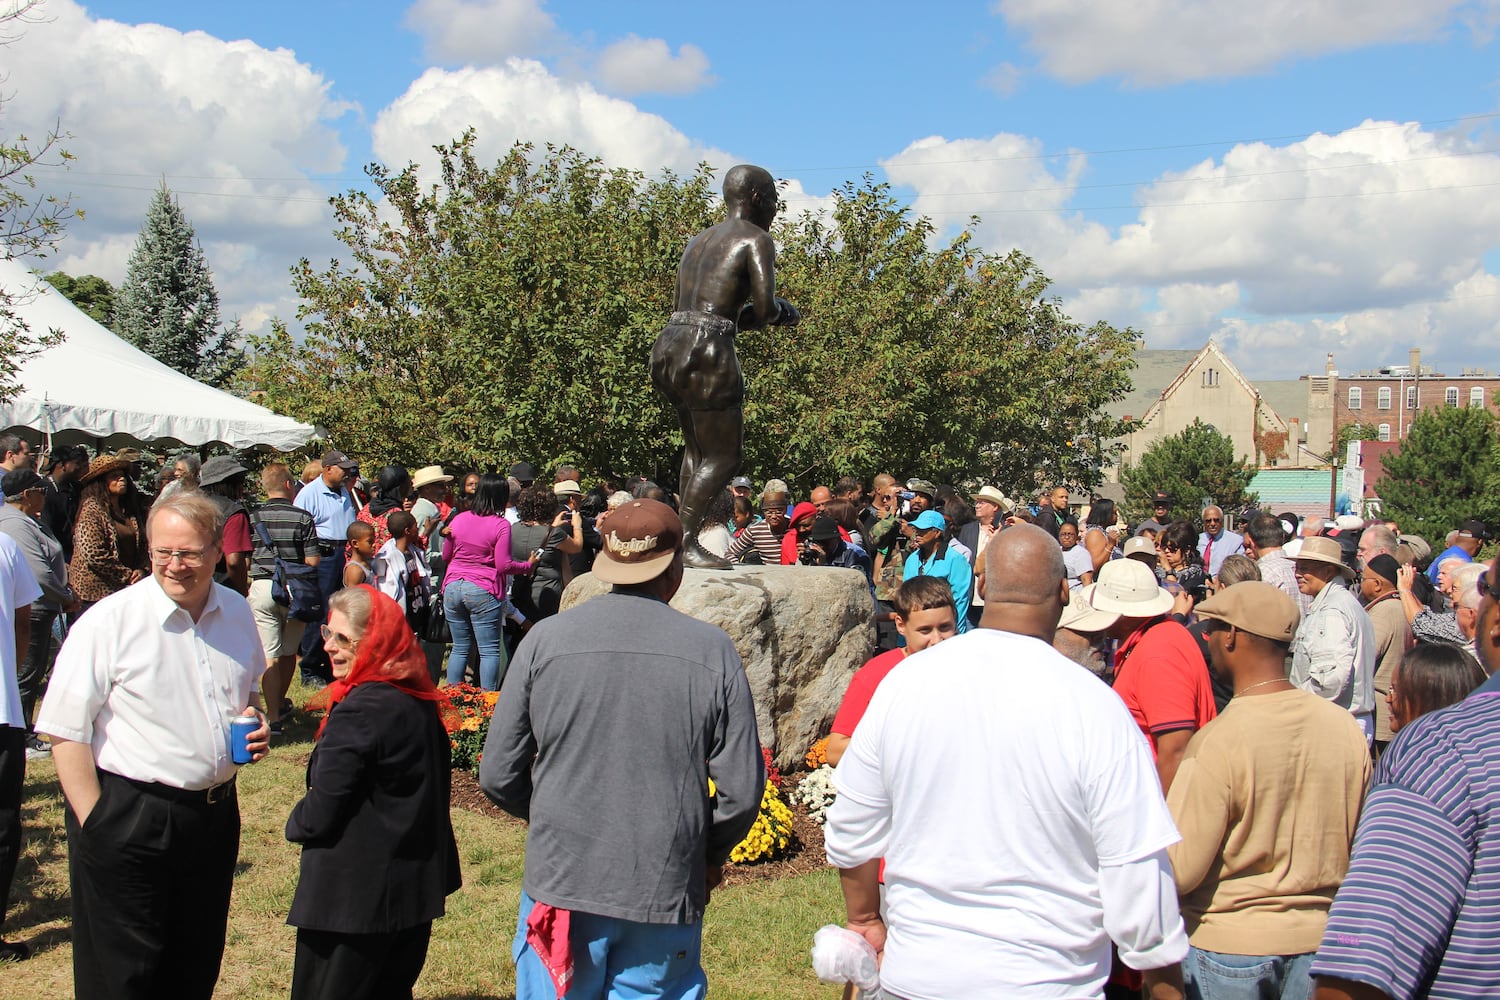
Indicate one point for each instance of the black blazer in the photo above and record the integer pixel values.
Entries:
(378, 853)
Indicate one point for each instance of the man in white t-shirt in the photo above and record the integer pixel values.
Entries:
(1016, 806)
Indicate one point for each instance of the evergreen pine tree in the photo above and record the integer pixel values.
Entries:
(168, 306)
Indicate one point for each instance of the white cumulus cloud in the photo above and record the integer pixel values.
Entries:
(232, 128)
(1171, 41)
(635, 65)
(456, 32)
(1363, 243)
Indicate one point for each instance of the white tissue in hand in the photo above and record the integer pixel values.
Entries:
(839, 955)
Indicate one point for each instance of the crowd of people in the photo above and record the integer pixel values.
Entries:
(1231, 754)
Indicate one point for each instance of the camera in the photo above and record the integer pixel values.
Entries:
(906, 494)
(812, 555)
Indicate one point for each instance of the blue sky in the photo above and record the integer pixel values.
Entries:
(1293, 179)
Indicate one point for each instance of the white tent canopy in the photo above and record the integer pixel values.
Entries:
(95, 388)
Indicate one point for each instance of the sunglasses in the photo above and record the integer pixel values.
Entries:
(1489, 585)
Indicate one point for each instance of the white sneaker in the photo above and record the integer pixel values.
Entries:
(37, 748)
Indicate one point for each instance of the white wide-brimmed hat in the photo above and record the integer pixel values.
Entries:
(1081, 616)
(1128, 587)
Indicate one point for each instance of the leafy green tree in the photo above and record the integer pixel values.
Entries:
(91, 293)
(30, 224)
(509, 311)
(1195, 464)
(941, 361)
(1444, 472)
(168, 306)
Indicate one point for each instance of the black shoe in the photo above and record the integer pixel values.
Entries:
(287, 707)
(14, 951)
(277, 728)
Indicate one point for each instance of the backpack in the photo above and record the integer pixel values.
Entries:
(294, 585)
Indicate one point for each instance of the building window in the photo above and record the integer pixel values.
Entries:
(1411, 397)
(1450, 396)
(1356, 397)
(1385, 432)
(1383, 397)
(1210, 377)
(1476, 395)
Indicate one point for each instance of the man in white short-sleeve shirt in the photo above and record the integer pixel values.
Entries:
(18, 588)
(139, 712)
(1016, 806)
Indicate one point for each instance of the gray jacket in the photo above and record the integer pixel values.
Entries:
(1333, 654)
(44, 554)
(612, 719)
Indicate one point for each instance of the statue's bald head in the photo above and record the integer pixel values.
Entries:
(744, 183)
(1022, 565)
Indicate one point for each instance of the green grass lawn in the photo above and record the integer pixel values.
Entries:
(756, 936)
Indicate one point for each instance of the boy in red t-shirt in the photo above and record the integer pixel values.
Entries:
(925, 615)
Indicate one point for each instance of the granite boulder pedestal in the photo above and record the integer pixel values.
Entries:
(801, 630)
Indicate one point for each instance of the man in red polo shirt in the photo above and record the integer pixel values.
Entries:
(1159, 670)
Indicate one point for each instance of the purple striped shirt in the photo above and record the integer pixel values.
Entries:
(1417, 913)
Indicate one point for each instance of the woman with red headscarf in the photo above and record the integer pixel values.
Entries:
(378, 854)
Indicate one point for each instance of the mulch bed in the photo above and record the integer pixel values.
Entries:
(805, 855)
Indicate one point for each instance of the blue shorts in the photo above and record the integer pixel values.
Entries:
(616, 959)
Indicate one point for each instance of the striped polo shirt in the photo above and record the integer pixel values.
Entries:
(1418, 911)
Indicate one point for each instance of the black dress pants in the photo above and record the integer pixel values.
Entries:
(31, 677)
(150, 871)
(12, 785)
(334, 966)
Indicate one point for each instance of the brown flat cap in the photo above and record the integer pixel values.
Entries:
(1254, 607)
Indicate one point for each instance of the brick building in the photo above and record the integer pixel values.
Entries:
(1389, 398)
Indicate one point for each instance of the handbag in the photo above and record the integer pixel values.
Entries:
(294, 585)
(436, 630)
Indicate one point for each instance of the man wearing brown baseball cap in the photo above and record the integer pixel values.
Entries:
(1266, 801)
(613, 718)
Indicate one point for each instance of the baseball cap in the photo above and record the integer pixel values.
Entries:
(921, 486)
(1255, 607)
(524, 471)
(930, 519)
(1246, 514)
(332, 458)
(18, 481)
(642, 538)
(1157, 499)
(1474, 529)
(742, 482)
(1140, 545)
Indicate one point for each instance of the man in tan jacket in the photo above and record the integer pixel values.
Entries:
(1266, 799)
(1392, 634)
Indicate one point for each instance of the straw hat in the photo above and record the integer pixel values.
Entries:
(1324, 550)
(1081, 616)
(429, 474)
(1128, 587)
(103, 465)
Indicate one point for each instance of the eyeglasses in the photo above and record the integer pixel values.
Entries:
(1213, 520)
(339, 638)
(188, 557)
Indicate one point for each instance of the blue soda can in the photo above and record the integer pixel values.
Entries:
(240, 728)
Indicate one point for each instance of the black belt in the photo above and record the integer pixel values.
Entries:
(192, 796)
(328, 548)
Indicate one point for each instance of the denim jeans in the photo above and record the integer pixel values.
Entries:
(474, 617)
(616, 959)
(1212, 975)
